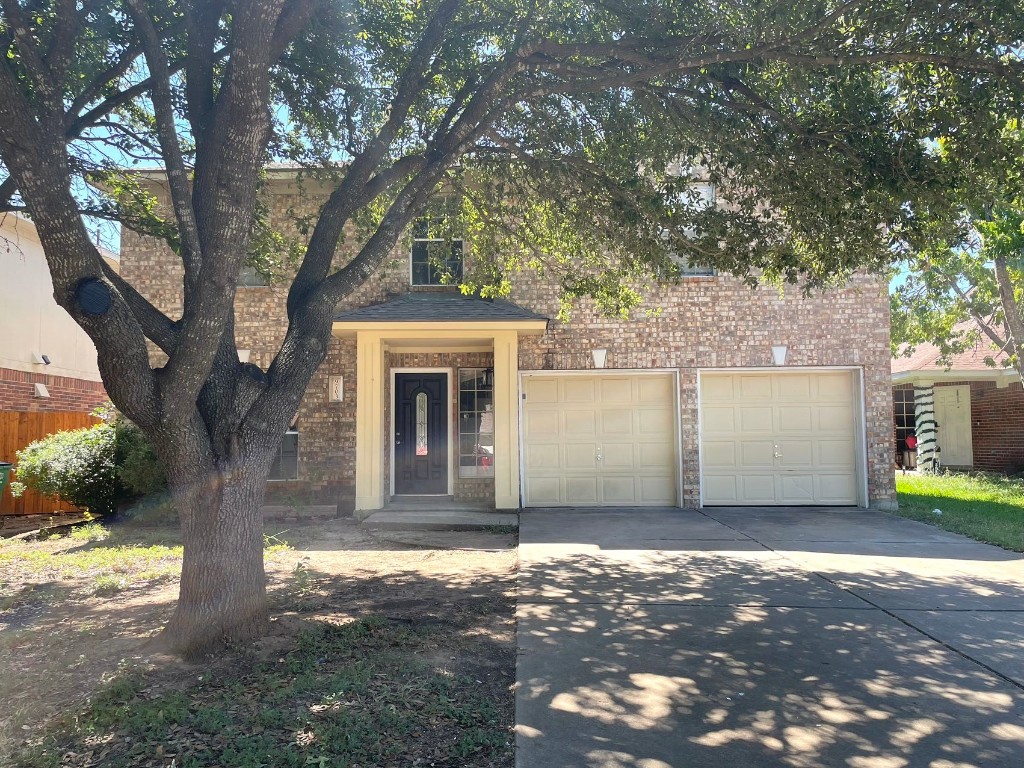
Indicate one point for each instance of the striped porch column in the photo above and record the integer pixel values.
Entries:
(925, 427)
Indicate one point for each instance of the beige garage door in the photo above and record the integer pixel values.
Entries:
(778, 438)
(601, 440)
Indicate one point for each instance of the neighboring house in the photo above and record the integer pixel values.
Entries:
(48, 374)
(970, 411)
(728, 396)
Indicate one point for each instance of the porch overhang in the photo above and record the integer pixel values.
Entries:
(412, 330)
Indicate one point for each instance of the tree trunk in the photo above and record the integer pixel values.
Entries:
(1011, 313)
(223, 593)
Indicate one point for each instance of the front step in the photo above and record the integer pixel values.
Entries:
(439, 520)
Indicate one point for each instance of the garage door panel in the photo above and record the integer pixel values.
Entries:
(796, 489)
(796, 453)
(756, 454)
(721, 489)
(657, 490)
(756, 419)
(836, 488)
(757, 488)
(578, 390)
(543, 391)
(618, 490)
(835, 418)
(656, 455)
(620, 456)
(718, 420)
(581, 490)
(837, 387)
(655, 390)
(576, 423)
(544, 491)
(795, 418)
(629, 421)
(754, 387)
(715, 389)
(836, 453)
(617, 422)
(616, 390)
(543, 455)
(795, 388)
(579, 456)
(784, 438)
(658, 423)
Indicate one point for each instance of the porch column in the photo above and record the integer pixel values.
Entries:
(925, 426)
(506, 423)
(369, 421)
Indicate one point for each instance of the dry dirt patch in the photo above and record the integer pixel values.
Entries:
(419, 628)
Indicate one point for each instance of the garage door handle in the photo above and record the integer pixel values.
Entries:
(600, 457)
(776, 452)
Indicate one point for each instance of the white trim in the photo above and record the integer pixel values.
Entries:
(676, 402)
(391, 425)
(859, 406)
(927, 377)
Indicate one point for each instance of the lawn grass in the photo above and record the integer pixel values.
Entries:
(354, 694)
(988, 508)
(111, 558)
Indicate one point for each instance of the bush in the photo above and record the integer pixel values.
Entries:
(78, 466)
(137, 465)
(95, 468)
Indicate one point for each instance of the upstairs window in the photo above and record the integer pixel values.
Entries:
(701, 195)
(436, 251)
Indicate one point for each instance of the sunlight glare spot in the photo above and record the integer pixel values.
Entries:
(1007, 732)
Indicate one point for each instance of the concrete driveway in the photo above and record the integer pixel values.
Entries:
(737, 638)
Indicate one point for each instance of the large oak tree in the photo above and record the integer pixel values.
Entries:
(555, 121)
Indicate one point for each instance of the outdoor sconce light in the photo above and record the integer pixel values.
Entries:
(779, 354)
(335, 388)
(243, 355)
(600, 357)
(40, 359)
(41, 390)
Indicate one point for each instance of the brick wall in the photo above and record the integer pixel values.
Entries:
(701, 323)
(17, 392)
(721, 323)
(997, 426)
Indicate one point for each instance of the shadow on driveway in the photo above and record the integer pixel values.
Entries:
(652, 638)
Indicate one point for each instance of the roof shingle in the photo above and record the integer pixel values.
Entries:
(434, 306)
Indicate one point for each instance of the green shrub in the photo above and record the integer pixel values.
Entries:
(137, 465)
(78, 466)
(95, 468)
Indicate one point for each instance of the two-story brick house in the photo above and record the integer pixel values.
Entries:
(728, 396)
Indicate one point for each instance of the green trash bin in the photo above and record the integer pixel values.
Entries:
(5, 474)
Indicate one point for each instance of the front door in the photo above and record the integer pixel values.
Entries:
(953, 420)
(421, 433)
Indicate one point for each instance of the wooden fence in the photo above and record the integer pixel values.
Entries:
(18, 429)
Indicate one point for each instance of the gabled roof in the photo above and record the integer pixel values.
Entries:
(438, 306)
(925, 357)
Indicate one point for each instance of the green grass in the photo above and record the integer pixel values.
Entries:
(988, 508)
(347, 695)
(110, 559)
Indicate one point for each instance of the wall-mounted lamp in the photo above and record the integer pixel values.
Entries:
(40, 359)
(243, 355)
(41, 390)
(600, 357)
(335, 388)
(779, 354)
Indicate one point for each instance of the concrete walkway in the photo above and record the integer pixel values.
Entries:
(741, 638)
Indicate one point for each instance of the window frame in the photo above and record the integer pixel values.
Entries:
(278, 461)
(245, 281)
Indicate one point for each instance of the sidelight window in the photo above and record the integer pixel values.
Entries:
(476, 422)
